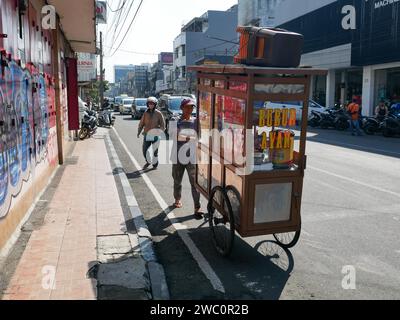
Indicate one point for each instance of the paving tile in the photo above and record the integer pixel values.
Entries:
(86, 204)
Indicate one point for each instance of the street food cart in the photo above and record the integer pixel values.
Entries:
(251, 150)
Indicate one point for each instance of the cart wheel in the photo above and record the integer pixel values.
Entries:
(234, 199)
(287, 240)
(222, 226)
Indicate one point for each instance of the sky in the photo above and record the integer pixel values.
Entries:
(157, 24)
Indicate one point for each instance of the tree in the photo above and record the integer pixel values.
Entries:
(94, 92)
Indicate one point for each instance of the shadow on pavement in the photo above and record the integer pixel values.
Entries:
(373, 144)
(259, 272)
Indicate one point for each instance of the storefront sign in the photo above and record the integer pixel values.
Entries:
(86, 67)
(384, 3)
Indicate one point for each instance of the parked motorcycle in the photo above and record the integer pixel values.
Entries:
(105, 119)
(337, 119)
(89, 124)
(315, 119)
(371, 125)
(391, 125)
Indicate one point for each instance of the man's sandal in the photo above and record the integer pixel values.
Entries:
(198, 214)
(178, 204)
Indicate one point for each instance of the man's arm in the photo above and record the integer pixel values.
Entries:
(141, 125)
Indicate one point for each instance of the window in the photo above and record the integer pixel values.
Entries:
(183, 50)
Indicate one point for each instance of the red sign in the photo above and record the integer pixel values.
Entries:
(72, 87)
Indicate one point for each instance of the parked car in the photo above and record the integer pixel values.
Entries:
(126, 106)
(118, 102)
(170, 107)
(139, 107)
(312, 106)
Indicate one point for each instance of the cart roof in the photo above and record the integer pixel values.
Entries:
(240, 69)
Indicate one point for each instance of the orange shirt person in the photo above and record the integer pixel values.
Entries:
(354, 111)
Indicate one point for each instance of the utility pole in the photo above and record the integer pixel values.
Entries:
(101, 71)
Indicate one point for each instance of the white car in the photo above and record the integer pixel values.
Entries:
(126, 106)
(312, 106)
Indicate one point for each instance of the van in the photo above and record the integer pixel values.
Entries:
(118, 101)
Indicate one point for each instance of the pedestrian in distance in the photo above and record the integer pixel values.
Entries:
(151, 123)
(185, 133)
(354, 111)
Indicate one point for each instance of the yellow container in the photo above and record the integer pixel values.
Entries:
(282, 158)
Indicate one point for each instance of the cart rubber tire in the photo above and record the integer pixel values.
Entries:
(288, 242)
(235, 201)
(223, 244)
(83, 133)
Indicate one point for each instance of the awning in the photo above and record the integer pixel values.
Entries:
(78, 23)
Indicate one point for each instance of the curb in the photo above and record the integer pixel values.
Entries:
(156, 271)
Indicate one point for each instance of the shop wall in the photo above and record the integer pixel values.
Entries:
(28, 144)
(374, 41)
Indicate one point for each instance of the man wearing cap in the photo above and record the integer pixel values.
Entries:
(184, 157)
(152, 121)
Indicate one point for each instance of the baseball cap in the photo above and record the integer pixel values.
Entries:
(187, 102)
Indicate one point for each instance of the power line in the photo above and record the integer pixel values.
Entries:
(115, 37)
(126, 33)
(135, 52)
(111, 9)
(111, 25)
(117, 20)
(187, 52)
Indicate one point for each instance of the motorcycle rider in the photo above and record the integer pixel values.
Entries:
(151, 120)
(381, 111)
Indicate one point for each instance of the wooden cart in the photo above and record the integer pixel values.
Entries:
(251, 150)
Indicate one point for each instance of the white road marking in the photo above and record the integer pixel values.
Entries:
(356, 181)
(180, 228)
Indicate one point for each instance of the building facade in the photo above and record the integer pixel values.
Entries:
(214, 33)
(357, 41)
(140, 80)
(161, 74)
(121, 72)
(38, 98)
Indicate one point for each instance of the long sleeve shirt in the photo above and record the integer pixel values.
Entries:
(151, 120)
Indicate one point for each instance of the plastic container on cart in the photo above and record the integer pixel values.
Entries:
(269, 47)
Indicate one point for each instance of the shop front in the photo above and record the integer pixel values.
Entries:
(387, 85)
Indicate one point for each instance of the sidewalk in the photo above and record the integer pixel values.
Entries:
(83, 233)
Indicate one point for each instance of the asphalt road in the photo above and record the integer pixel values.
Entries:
(350, 223)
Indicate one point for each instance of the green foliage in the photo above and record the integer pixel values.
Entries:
(94, 93)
